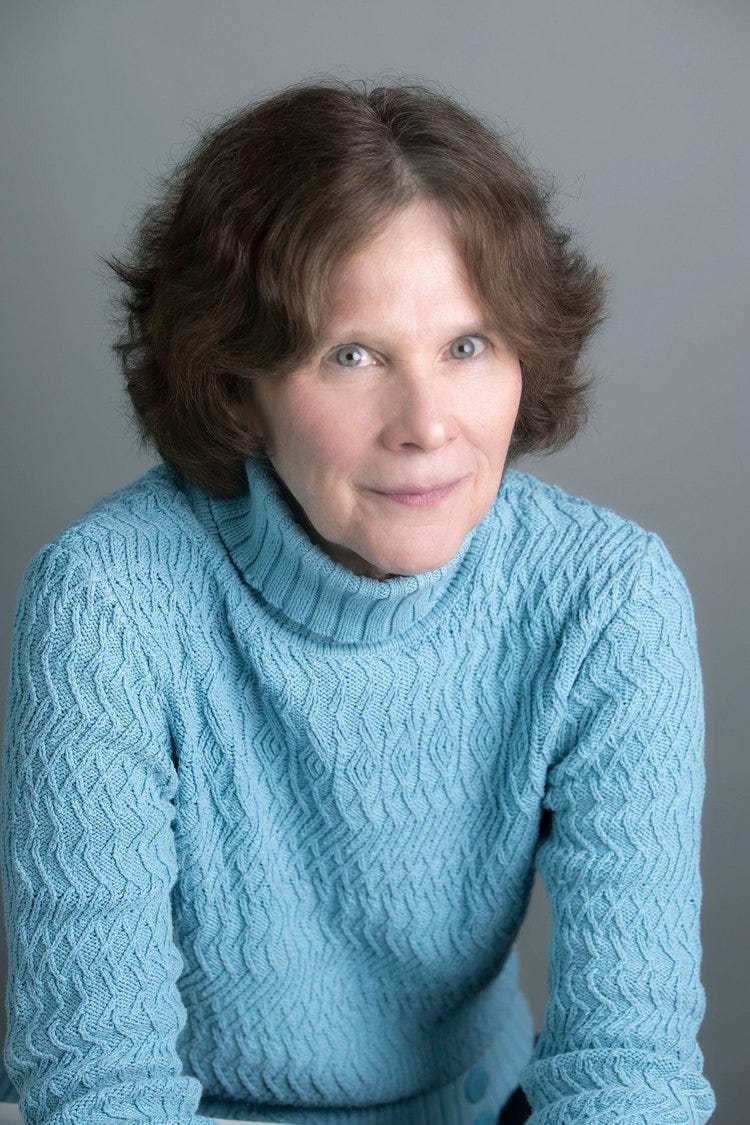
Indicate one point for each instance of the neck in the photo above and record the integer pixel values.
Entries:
(273, 547)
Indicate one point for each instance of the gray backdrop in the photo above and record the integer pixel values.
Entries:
(638, 108)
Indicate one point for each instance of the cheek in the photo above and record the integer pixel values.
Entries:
(495, 418)
(299, 432)
(333, 449)
(332, 437)
(511, 401)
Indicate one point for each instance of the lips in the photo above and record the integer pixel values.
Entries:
(417, 490)
(427, 498)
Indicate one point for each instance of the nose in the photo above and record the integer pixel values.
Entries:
(419, 411)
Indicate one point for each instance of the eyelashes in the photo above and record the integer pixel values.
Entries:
(353, 349)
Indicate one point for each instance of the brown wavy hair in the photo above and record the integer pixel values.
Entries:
(228, 272)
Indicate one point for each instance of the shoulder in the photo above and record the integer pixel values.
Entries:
(133, 536)
(585, 556)
(549, 513)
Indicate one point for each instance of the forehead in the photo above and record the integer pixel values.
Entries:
(411, 268)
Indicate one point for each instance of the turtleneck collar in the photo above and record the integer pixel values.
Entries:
(277, 557)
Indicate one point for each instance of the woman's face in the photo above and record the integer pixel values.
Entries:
(406, 391)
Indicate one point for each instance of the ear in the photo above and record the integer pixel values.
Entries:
(252, 417)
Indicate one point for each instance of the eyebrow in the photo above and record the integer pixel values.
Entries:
(349, 335)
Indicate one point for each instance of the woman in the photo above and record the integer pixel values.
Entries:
(295, 717)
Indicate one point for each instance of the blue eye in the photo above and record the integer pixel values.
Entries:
(472, 354)
(350, 353)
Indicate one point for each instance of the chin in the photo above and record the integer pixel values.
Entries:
(415, 561)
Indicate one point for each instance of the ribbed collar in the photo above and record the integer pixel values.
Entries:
(277, 558)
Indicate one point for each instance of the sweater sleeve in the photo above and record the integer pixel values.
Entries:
(621, 868)
(88, 863)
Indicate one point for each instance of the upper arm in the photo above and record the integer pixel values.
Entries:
(88, 861)
(621, 867)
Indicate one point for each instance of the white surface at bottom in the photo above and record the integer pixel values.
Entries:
(10, 1115)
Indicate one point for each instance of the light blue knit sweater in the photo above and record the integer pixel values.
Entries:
(269, 829)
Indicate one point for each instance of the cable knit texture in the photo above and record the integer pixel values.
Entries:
(270, 828)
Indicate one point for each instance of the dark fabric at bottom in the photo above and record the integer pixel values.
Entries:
(516, 1110)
